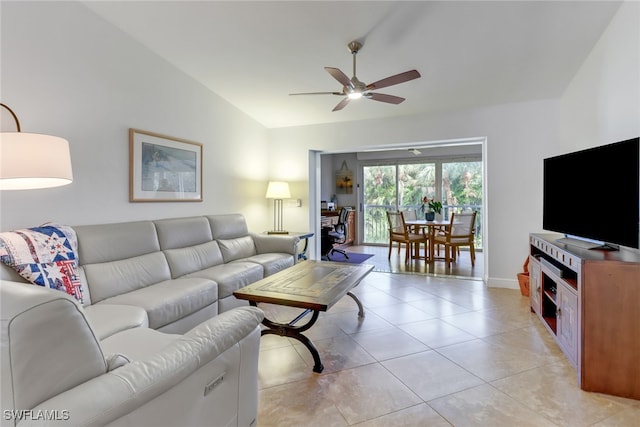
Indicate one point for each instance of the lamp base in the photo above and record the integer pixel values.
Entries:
(277, 232)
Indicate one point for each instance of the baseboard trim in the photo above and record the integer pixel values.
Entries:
(493, 282)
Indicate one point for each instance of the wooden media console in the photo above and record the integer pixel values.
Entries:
(590, 301)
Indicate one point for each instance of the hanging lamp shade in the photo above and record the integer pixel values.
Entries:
(32, 160)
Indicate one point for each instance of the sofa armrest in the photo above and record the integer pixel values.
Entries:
(134, 384)
(280, 243)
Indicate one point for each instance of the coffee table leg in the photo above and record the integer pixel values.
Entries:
(291, 331)
(360, 308)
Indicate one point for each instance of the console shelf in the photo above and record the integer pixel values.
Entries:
(589, 301)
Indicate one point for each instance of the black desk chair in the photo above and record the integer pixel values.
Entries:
(335, 236)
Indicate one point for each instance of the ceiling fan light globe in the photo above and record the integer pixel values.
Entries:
(355, 95)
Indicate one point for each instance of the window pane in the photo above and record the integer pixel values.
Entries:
(462, 191)
(383, 190)
(379, 191)
(462, 184)
(415, 181)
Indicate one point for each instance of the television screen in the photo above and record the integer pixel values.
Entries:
(595, 193)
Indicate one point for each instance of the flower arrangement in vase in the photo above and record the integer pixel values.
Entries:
(430, 207)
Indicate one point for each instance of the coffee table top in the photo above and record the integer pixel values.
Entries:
(309, 284)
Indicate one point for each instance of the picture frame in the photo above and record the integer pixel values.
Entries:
(163, 168)
(344, 180)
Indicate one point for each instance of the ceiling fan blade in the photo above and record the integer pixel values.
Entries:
(385, 98)
(394, 80)
(342, 104)
(318, 93)
(339, 76)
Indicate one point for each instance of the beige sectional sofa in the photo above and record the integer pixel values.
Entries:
(181, 271)
(147, 287)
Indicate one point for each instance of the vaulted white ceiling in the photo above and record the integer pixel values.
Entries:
(470, 53)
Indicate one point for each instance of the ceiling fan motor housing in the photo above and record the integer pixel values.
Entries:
(358, 86)
(354, 46)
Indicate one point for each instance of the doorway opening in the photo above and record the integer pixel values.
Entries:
(453, 171)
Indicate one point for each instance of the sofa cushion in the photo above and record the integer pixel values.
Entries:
(109, 319)
(182, 232)
(187, 260)
(272, 262)
(44, 256)
(238, 248)
(171, 300)
(180, 326)
(232, 276)
(228, 226)
(118, 277)
(112, 242)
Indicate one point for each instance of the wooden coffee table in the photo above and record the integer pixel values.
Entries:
(312, 285)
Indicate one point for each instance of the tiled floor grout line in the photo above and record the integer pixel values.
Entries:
(477, 303)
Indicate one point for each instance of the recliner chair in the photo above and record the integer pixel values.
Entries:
(55, 371)
(337, 236)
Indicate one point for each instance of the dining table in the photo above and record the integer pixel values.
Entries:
(429, 227)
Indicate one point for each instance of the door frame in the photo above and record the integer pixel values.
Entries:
(315, 164)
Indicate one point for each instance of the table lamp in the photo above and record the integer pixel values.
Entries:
(277, 190)
(31, 160)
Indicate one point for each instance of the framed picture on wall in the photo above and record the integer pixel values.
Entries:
(344, 180)
(163, 168)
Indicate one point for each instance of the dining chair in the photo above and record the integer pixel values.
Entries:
(410, 214)
(460, 232)
(402, 234)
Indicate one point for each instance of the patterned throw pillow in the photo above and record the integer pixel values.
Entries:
(45, 256)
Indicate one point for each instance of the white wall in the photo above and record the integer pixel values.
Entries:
(68, 73)
(602, 103)
(331, 164)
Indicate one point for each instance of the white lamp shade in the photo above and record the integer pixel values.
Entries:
(278, 190)
(31, 160)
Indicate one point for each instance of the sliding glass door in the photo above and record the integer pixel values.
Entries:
(379, 195)
(462, 191)
(402, 185)
(393, 187)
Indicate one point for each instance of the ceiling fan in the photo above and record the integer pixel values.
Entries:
(355, 89)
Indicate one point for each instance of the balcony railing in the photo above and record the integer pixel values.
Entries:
(376, 227)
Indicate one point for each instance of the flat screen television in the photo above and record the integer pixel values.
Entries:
(594, 194)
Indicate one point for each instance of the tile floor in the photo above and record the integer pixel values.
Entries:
(431, 351)
(396, 263)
